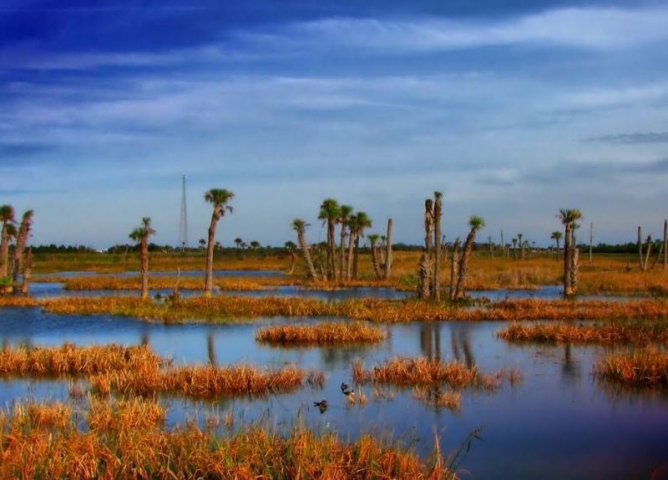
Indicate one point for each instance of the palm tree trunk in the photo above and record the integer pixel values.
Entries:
(4, 252)
(388, 254)
(27, 270)
(665, 245)
(356, 257)
(144, 268)
(454, 268)
(424, 277)
(307, 256)
(374, 260)
(568, 290)
(342, 252)
(640, 250)
(436, 288)
(649, 248)
(208, 280)
(351, 245)
(463, 264)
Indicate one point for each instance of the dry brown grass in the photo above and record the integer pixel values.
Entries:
(645, 367)
(638, 333)
(232, 308)
(127, 439)
(72, 360)
(320, 334)
(404, 372)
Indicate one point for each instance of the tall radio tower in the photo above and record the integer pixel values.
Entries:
(183, 222)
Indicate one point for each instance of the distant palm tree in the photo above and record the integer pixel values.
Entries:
(476, 223)
(219, 198)
(556, 236)
(8, 226)
(344, 213)
(299, 226)
(373, 240)
(514, 240)
(569, 218)
(358, 223)
(330, 212)
(238, 242)
(21, 240)
(519, 241)
(141, 235)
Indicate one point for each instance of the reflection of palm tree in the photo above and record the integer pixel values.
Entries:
(430, 341)
(461, 345)
(570, 368)
(210, 350)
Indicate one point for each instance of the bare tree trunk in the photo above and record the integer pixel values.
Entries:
(438, 208)
(574, 271)
(463, 264)
(388, 254)
(424, 277)
(649, 248)
(454, 268)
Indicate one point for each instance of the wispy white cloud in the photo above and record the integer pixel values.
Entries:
(598, 28)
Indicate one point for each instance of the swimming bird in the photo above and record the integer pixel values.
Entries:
(344, 387)
(322, 405)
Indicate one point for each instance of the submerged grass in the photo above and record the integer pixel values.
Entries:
(638, 332)
(645, 367)
(320, 334)
(127, 439)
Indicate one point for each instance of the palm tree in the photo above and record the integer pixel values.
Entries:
(238, 242)
(7, 219)
(373, 239)
(21, 240)
(514, 240)
(519, 241)
(218, 197)
(330, 212)
(344, 213)
(568, 218)
(141, 235)
(362, 222)
(556, 236)
(476, 223)
(299, 226)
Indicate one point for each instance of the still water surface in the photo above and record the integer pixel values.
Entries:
(557, 423)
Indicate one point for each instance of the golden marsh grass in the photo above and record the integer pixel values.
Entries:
(320, 334)
(643, 367)
(127, 439)
(637, 333)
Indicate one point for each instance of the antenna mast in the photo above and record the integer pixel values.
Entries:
(183, 222)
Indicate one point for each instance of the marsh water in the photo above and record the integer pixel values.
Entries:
(558, 422)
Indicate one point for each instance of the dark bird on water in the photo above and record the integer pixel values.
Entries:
(345, 389)
(322, 405)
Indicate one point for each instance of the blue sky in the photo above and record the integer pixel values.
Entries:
(513, 109)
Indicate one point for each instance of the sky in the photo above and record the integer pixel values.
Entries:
(513, 109)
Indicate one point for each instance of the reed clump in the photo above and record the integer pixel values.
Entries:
(643, 367)
(320, 334)
(637, 333)
(69, 359)
(128, 439)
(17, 301)
(206, 381)
(407, 371)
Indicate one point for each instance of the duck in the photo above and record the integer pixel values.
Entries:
(322, 405)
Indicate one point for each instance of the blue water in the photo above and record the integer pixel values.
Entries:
(557, 423)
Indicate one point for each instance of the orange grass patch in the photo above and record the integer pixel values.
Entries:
(646, 367)
(208, 381)
(639, 333)
(72, 360)
(319, 334)
(128, 440)
(17, 301)
(231, 308)
(404, 371)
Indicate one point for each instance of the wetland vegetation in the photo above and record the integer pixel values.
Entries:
(245, 362)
